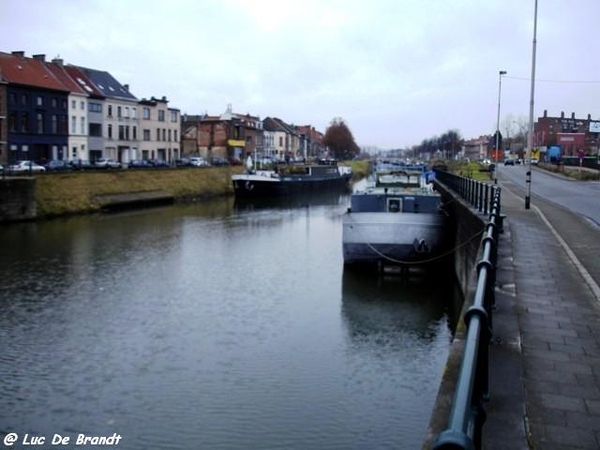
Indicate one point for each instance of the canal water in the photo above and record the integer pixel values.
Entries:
(214, 326)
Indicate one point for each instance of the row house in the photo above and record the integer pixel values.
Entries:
(313, 141)
(229, 136)
(54, 111)
(160, 128)
(281, 139)
(37, 109)
(3, 122)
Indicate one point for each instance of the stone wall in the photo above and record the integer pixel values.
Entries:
(17, 199)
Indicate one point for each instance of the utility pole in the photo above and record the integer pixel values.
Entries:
(530, 134)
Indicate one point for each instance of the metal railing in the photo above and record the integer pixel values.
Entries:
(467, 415)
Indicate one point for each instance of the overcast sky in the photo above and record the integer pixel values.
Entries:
(396, 71)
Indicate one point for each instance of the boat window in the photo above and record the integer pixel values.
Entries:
(394, 204)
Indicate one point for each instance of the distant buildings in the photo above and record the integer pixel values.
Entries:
(571, 133)
(49, 110)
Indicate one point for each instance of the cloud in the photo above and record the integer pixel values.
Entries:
(397, 71)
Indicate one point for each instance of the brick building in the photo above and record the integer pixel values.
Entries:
(571, 133)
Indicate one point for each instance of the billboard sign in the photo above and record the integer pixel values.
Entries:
(594, 127)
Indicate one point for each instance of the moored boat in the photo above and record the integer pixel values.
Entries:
(396, 220)
(291, 179)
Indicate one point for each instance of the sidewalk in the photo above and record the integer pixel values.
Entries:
(545, 359)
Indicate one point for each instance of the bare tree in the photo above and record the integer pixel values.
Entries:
(339, 139)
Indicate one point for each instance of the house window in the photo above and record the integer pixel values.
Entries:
(39, 100)
(146, 113)
(121, 132)
(73, 125)
(83, 125)
(73, 104)
(134, 112)
(126, 112)
(175, 135)
(164, 135)
(109, 131)
(109, 110)
(40, 122)
(119, 113)
(157, 134)
(134, 133)
(96, 129)
(54, 102)
(63, 125)
(95, 107)
(169, 135)
(161, 115)
(24, 99)
(146, 135)
(82, 104)
(54, 124)
(173, 116)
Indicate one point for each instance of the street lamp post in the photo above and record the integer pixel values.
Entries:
(502, 72)
(530, 136)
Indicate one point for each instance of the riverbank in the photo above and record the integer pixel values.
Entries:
(81, 192)
(61, 194)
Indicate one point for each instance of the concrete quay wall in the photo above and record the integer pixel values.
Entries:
(17, 199)
(467, 240)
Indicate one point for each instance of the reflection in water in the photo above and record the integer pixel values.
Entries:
(212, 326)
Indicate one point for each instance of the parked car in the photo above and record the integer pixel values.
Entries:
(57, 165)
(139, 164)
(535, 161)
(81, 164)
(198, 161)
(220, 162)
(509, 162)
(26, 166)
(183, 162)
(159, 163)
(107, 163)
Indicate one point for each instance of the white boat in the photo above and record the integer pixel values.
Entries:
(396, 220)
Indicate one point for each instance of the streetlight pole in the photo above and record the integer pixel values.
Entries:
(502, 72)
(530, 136)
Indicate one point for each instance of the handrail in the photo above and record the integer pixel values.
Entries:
(467, 414)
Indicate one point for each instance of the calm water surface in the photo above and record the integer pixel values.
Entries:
(214, 327)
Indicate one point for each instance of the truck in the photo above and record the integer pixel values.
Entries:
(553, 154)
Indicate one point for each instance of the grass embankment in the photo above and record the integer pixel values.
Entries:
(360, 168)
(78, 192)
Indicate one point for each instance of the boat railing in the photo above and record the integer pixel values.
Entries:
(467, 415)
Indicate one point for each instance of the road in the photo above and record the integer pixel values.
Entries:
(571, 207)
(581, 197)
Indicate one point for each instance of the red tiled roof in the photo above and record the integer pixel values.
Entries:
(61, 74)
(29, 72)
(83, 80)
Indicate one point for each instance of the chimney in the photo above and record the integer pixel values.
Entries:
(126, 86)
(572, 115)
(589, 117)
(562, 114)
(545, 113)
(19, 54)
(40, 57)
(58, 61)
